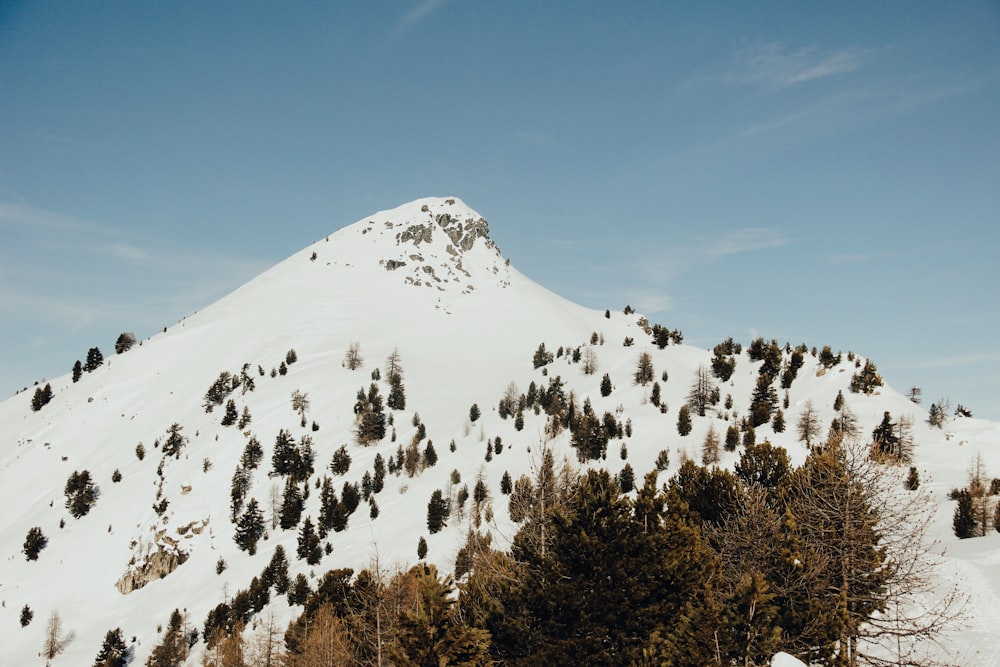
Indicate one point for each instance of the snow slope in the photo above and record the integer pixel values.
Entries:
(424, 279)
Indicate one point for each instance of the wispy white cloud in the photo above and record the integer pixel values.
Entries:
(953, 361)
(773, 67)
(414, 16)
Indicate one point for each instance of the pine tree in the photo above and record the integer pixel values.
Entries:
(732, 438)
(231, 415)
(26, 616)
(474, 413)
(80, 493)
(606, 385)
(506, 486)
(866, 380)
(77, 371)
(34, 542)
(42, 397)
(114, 652)
(684, 420)
(309, 543)
(173, 648)
(94, 360)
(541, 356)
(437, 512)
(396, 399)
(291, 505)
(250, 528)
(276, 572)
(421, 548)
(913, 480)
(175, 441)
(778, 423)
(125, 341)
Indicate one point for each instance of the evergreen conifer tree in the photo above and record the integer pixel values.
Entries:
(684, 420)
(309, 543)
(437, 512)
(77, 371)
(114, 652)
(94, 360)
(250, 528)
(606, 385)
(41, 398)
(291, 505)
(34, 542)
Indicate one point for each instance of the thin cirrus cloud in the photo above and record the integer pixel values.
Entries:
(414, 16)
(773, 67)
(679, 259)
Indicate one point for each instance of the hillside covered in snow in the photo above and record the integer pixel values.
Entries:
(396, 376)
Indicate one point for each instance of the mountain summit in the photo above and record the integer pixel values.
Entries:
(402, 347)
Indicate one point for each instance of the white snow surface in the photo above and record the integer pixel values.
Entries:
(423, 279)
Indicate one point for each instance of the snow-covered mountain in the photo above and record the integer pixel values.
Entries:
(424, 280)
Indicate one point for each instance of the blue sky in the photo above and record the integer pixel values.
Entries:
(827, 174)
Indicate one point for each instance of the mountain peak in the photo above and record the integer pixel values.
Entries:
(434, 242)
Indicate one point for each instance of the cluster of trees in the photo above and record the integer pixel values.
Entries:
(409, 618)
(42, 397)
(715, 568)
(81, 494)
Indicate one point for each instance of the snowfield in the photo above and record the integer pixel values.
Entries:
(424, 279)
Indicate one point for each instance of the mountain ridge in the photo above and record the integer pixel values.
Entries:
(458, 347)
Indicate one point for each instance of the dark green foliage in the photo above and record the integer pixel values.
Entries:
(282, 368)
(913, 480)
(430, 455)
(763, 402)
(220, 565)
(763, 465)
(709, 494)
(732, 439)
(626, 479)
(964, 521)
(479, 492)
(792, 370)
(34, 542)
(283, 457)
(506, 485)
(175, 441)
(77, 371)
(231, 414)
(749, 436)
(250, 528)
(724, 360)
(299, 591)
(238, 490)
(541, 356)
(26, 615)
(589, 437)
(519, 421)
(373, 512)
(94, 360)
(662, 460)
(566, 605)
(654, 394)
(80, 493)
(828, 358)
(866, 380)
(684, 420)
(116, 476)
(309, 546)
(350, 497)
(113, 651)
(42, 397)
(140, 451)
(421, 548)
(291, 505)
(437, 512)
(291, 357)
(219, 390)
(125, 341)
(369, 416)
(662, 336)
(252, 454)
(778, 423)
(474, 413)
(378, 479)
(341, 461)
(396, 400)
(885, 443)
(606, 385)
